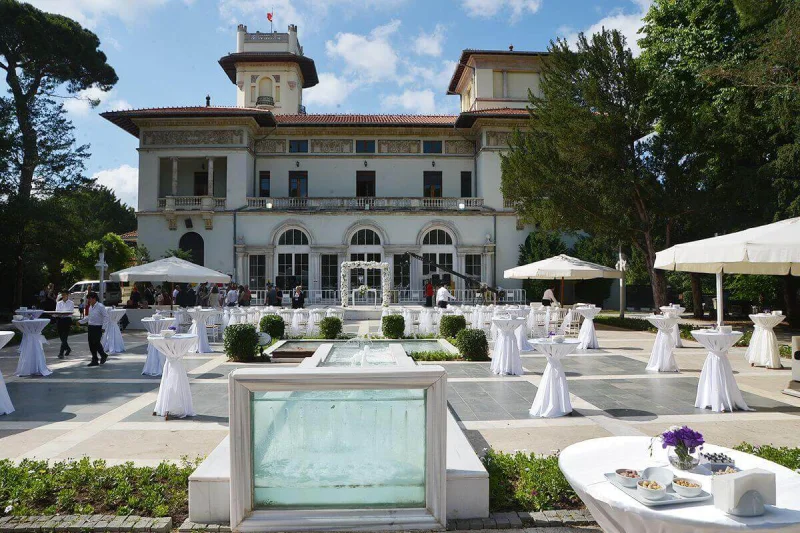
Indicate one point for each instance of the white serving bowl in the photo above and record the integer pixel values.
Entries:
(660, 474)
(687, 492)
(168, 333)
(627, 481)
(558, 339)
(651, 494)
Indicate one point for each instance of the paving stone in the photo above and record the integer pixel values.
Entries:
(142, 525)
(553, 518)
(129, 523)
(162, 525)
(502, 522)
(476, 523)
(116, 524)
(488, 523)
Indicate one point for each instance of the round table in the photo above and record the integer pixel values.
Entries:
(661, 357)
(675, 310)
(29, 313)
(585, 464)
(112, 336)
(505, 356)
(31, 354)
(552, 396)
(154, 364)
(6, 407)
(717, 387)
(587, 335)
(763, 349)
(199, 322)
(174, 395)
(521, 333)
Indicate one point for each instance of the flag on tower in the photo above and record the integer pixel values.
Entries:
(269, 17)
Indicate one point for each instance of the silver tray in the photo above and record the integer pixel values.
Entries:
(672, 498)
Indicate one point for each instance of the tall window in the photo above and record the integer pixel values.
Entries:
(466, 184)
(298, 146)
(293, 237)
(292, 271)
(365, 183)
(258, 272)
(329, 275)
(365, 147)
(431, 147)
(428, 269)
(432, 184)
(263, 184)
(437, 237)
(298, 184)
(402, 272)
(371, 277)
(200, 183)
(365, 237)
(472, 266)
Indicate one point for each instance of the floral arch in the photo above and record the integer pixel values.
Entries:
(344, 279)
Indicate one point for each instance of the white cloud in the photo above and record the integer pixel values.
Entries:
(490, 8)
(628, 24)
(123, 180)
(254, 12)
(417, 102)
(430, 43)
(436, 77)
(331, 92)
(90, 13)
(79, 105)
(370, 57)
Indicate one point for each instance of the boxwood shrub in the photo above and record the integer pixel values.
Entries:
(393, 326)
(330, 327)
(272, 324)
(241, 342)
(450, 325)
(473, 345)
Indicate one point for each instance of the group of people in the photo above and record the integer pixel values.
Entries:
(95, 319)
(443, 295)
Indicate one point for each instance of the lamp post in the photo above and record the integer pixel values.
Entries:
(101, 266)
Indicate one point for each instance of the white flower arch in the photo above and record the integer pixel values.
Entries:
(344, 279)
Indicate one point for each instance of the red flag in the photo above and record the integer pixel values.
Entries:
(269, 17)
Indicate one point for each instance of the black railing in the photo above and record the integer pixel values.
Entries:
(265, 100)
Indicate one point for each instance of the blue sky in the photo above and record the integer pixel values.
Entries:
(372, 56)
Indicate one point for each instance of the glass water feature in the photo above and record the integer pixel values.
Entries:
(339, 449)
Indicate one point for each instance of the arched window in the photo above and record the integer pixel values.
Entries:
(193, 243)
(437, 237)
(365, 237)
(293, 237)
(265, 86)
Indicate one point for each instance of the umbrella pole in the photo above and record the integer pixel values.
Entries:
(562, 291)
(720, 305)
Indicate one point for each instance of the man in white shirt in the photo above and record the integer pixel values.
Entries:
(443, 296)
(232, 297)
(175, 292)
(64, 323)
(548, 298)
(96, 320)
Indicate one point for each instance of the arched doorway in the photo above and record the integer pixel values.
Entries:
(365, 245)
(437, 247)
(292, 254)
(192, 242)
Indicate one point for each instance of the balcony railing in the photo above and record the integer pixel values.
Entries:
(367, 203)
(191, 203)
(301, 110)
(403, 297)
(265, 101)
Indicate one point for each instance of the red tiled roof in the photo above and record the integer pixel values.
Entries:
(123, 118)
(130, 236)
(467, 119)
(366, 120)
(465, 55)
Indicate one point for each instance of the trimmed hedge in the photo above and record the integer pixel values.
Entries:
(473, 345)
(274, 325)
(241, 342)
(450, 325)
(393, 326)
(330, 327)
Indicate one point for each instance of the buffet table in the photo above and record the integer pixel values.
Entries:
(661, 357)
(199, 322)
(585, 463)
(674, 310)
(154, 364)
(763, 349)
(587, 335)
(31, 353)
(6, 407)
(112, 336)
(174, 395)
(505, 355)
(717, 387)
(552, 395)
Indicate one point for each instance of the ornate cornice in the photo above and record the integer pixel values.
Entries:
(332, 146)
(405, 146)
(192, 137)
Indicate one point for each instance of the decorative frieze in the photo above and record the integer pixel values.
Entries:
(331, 146)
(192, 137)
(399, 147)
(253, 78)
(498, 138)
(459, 147)
(271, 146)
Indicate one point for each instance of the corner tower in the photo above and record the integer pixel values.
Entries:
(270, 71)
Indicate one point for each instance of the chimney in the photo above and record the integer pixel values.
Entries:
(294, 46)
(208, 100)
(241, 30)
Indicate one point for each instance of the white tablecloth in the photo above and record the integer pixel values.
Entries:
(675, 310)
(174, 394)
(585, 463)
(31, 354)
(763, 349)
(505, 356)
(6, 407)
(112, 336)
(552, 396)
(200, 318)
(661, 357)
(717, 387)
(587, 336)
(29, 313)
(154, 364)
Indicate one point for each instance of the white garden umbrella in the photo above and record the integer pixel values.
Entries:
(171, 269)
(773, 249)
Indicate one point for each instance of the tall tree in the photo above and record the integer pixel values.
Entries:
(41, 52)
(589, 159)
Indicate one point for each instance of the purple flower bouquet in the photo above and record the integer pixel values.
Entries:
(683, 443)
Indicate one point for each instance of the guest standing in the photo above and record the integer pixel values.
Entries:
(64, 323)
(272, 296)
(429, 294)
(136, 297)
(443, 296)
(213, 298)
(298, 300)
(96, 319)
(232, 297)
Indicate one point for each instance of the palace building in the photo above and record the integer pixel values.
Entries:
(268, 192)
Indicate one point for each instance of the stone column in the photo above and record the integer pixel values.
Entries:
(174, 176)
(314, 272)
(459, 267)
(240, 255)
(210, 176)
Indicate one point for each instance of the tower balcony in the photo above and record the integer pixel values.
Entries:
(265, 102)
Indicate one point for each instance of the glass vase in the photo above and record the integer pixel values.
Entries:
(681, 459)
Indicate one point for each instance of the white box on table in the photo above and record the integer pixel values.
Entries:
(728, 489)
